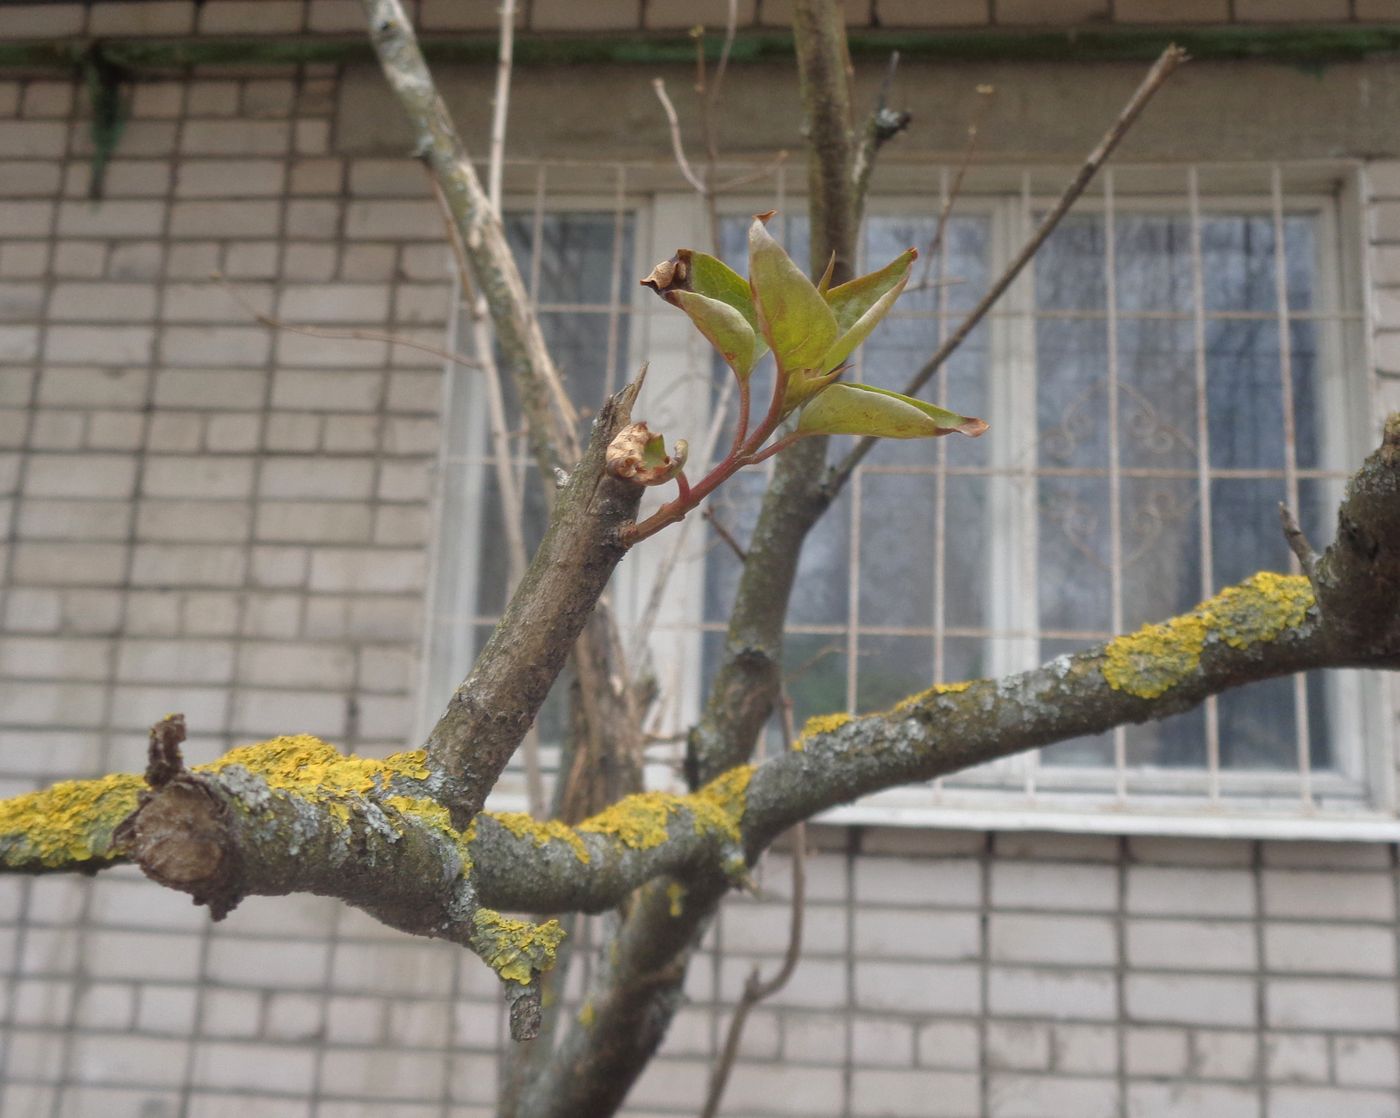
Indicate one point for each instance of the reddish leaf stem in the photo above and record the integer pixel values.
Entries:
(741, 429)
(773, 448)
(738, 457)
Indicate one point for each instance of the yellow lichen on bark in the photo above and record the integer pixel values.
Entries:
(73, 821)
(315, 770)
(641, 821)
(515, 949)
(432, 814)
(541, 832)
(1156, 658)
(70, 822)
(920, 697)
(819, 724)
(637, 821)
(728, 793)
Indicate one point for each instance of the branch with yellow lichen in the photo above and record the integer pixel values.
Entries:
(294, 815)
(1266, 626)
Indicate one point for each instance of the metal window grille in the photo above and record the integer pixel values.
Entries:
(1186, 352)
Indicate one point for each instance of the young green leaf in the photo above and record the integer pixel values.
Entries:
(862, 409)
(718, 301)
(725, 329)
(792, 315)
(715, 279)
(860, 304)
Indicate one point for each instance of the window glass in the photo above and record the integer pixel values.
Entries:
(1123, 361)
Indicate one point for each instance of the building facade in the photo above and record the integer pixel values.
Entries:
(275, 530)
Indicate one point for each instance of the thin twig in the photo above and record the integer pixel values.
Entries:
(357, 335)
(724, 534)
(1161, 70)
(507, 483)
(731, 29)
(1297, 541)
(709, 103)
(512, 495)
(642, 632)
(761, 172)
(755, 987)
(677, 147)
(811, 662)
(883, 125)
(945, 213)
(501, 105)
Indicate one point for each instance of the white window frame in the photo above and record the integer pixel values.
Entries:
(1017, 793)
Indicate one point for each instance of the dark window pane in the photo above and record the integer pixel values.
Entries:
(1069, 269)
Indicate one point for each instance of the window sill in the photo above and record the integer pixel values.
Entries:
(1225, 821)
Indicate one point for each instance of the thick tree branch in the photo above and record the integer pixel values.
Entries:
(634, 997)
(819, 38)
(292, 815)
(490, 712)
(747, 683)
(1358, 577)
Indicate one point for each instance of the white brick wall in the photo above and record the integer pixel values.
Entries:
(207, 516)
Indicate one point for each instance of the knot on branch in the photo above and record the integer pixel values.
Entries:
(181, 833)
(519, 952)
(889, 123)
(164, 760)
(1358, 576)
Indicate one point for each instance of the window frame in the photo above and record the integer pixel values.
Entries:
(1254, 803)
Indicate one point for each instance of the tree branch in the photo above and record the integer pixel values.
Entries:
(756, 988)
(542, 396)
(636, 992)
(1358, 577)
(294, 815)
(747, 683)
(489, 714)
(1161, 70)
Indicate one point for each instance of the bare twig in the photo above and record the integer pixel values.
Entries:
(945, 213)
(709, 102)
(501, 105)
(755, 987)
(677, 147)
(507, 481)
(811, 662)
(1161, 70)
(1298, 542)
(883, 125)
(512, 497)
(553, 438)
(356, 335)
(761, 172)
(724, 534)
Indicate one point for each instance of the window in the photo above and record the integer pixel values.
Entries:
(1180, 357)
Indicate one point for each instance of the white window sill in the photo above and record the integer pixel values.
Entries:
(1225, 822)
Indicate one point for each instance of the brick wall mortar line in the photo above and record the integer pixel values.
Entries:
(1120, 935)
(205, 933)
(81, 925)
(848, 1059)
(1261, 1007)
(1395, 939)
(8, 1018)
(985, 859)
(332, 937)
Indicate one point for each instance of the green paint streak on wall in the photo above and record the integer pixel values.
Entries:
(1306, 46)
